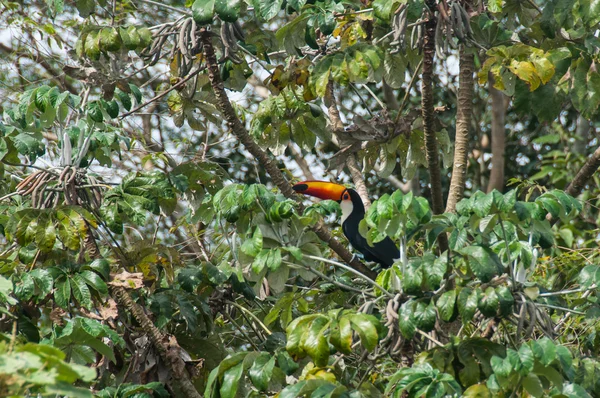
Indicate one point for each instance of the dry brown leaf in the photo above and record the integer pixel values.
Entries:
(128, 280)
(109, 310)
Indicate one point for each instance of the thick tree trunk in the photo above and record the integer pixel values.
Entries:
(463, 122)
(433, 161)
(499, 105)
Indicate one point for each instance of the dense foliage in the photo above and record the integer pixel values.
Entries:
(152, 246)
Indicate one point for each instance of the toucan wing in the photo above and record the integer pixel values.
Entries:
(384, 252)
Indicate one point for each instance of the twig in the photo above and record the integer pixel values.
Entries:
(352, 270)
(167, 7)
(381, 104)
(559, 293)
(247, 311)
(331, 280)
(159, 96)
(31, 166)
(13, 337)
(230, 318)
(556, 307)
(412, 81)
(422, 333)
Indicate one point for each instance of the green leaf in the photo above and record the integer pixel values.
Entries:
(231, 379)
(62, 295)
(477, 391)
(384, 8)
(505, 300)
(483, 262)
(110, 40)
(488, 302)
(95, 281)
(137, 94)
(424, 316)
(341, 335)
(85, 7)
(527, 359)
(253, 246)
(500, 366)
(100, 266)
(533, 385)
(95, 111)
(203, 10)
(228, 10)
(111, 107)
(267, 9)
(495, 6)
(548, 351)
(81, 292)
(261, 371)
(365, 326)
(406, 321)
(124, 98)
(467, 303)
(445, 305)
(314, 341)
(270, 258)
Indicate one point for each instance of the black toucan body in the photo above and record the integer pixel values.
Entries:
(353, 211)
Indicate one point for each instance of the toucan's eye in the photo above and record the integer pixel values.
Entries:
(346, 196)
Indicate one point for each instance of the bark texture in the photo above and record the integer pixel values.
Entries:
(499, 105)
(167, 348)
(586, 172)
(351, 162)
(263, 158)
(463, 122)
(433, 161)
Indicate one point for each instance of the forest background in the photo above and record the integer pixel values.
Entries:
(152, 245)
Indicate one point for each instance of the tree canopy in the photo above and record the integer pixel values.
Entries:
(151, 244)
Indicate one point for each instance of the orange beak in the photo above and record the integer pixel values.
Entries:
(321, 189)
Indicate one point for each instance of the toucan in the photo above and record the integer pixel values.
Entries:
(384, 252)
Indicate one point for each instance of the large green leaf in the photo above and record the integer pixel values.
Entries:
(366, 327)
(261, 371)
(483, 262)
(228, 10)
(203, 10)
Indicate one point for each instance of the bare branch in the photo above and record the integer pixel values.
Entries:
(586, 172)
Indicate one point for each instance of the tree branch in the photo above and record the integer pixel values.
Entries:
(168, 348)
(267, 162)
(57, 76)
(351, 161)
(433, 162)
(586, 172)
(463, 122)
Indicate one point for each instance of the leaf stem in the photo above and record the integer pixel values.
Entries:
(247, 311)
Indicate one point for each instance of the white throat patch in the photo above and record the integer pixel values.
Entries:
(347, 207)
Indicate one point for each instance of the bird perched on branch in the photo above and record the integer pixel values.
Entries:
(353, 211)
